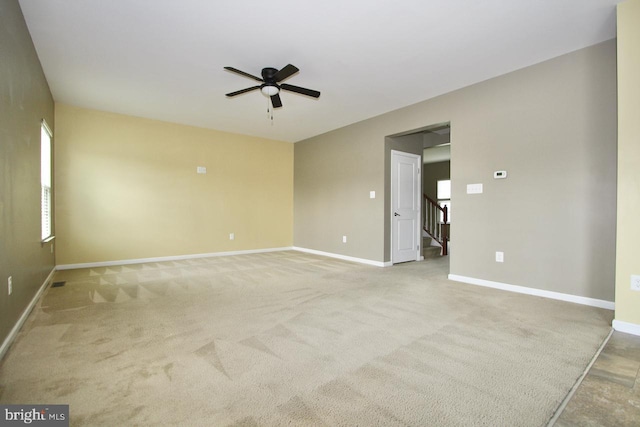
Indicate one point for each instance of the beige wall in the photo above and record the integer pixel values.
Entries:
(25, 100)
(127, 188)
(628, 251)
(552, 126)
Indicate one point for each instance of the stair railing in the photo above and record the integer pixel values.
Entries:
(436, 222)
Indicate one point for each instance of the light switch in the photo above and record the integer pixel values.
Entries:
(372, 194)
(474, 188)
(201, 169)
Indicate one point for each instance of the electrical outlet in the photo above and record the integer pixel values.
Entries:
(10, 285)
(344, 239)
(635, 283)
(499, 256)
(232, 236)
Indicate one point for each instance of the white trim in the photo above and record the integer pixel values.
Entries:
(44, 123)
(626, 327)
(167, 258)
(344, 257)
(16, 328)
(609, 305)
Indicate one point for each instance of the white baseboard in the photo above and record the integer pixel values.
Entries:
(626, 327)
(609, 305)
(343, 257)
(16, 328)
(166, 258)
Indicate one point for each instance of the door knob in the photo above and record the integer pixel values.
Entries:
(396, 214)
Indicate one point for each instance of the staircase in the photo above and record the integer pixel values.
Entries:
(428, 250)
(436, 225)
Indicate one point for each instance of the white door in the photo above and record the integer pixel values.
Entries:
(405, 207)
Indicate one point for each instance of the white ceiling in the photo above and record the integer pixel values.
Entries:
(164, 59)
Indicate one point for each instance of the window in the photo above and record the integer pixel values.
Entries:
(46, 189)
(444, 198)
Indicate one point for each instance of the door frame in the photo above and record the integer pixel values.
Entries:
(419, 256)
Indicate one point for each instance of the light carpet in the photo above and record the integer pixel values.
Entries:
(288, 338)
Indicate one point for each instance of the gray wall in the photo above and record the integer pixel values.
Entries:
(431, 174)
(25, 99)
(332, 181)
(552, 126)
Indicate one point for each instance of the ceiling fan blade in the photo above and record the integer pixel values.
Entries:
(276, 101)
(286, 72)
(242, 73)
(301, 90)
(238, 92)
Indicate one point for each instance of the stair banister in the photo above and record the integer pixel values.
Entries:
(432, 225)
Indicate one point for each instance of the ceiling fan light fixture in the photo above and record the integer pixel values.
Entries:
(270, 90)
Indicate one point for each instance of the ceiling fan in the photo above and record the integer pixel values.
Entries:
(270, 86)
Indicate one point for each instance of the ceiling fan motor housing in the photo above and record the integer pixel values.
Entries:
(268, 74)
